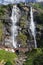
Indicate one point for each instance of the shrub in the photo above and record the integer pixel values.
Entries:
(38, 60)
(8, 63)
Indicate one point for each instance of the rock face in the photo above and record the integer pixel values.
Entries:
(8, 23)
(7, 27)
(24, 17)
(23, 26)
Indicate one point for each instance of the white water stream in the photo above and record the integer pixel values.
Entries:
(32, 27)
(14, 27)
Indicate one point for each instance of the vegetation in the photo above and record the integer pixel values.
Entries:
(39, 20)
(33, 57)
(1, 31)
(7, 56)
(38, 60)
(22, 39)
(38, 5)
(3, 9)
(8, 63)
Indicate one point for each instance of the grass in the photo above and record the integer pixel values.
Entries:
(7, 56)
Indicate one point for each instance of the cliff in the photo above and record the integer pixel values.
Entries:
(24, 35)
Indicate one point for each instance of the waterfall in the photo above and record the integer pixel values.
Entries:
(14, 27)
(32, 27)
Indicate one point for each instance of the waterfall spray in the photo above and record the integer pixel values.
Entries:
(14, 27)
(32, 27)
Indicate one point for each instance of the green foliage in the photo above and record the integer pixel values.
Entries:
(38, 60)
(2, 10)
(39, 18)
(22, 24)
(1, 30)
(21, 4)
(8, 63)
(37, 5)
(22, 38)
(23, 21)
(32, 55)
(7, 56)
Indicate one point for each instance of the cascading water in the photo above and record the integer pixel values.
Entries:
(32, 27)
(14, 27)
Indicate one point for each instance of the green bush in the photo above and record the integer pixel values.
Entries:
(22, 38)
(38, 60)
(8, 63)
(34, 57)
(5, 55)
